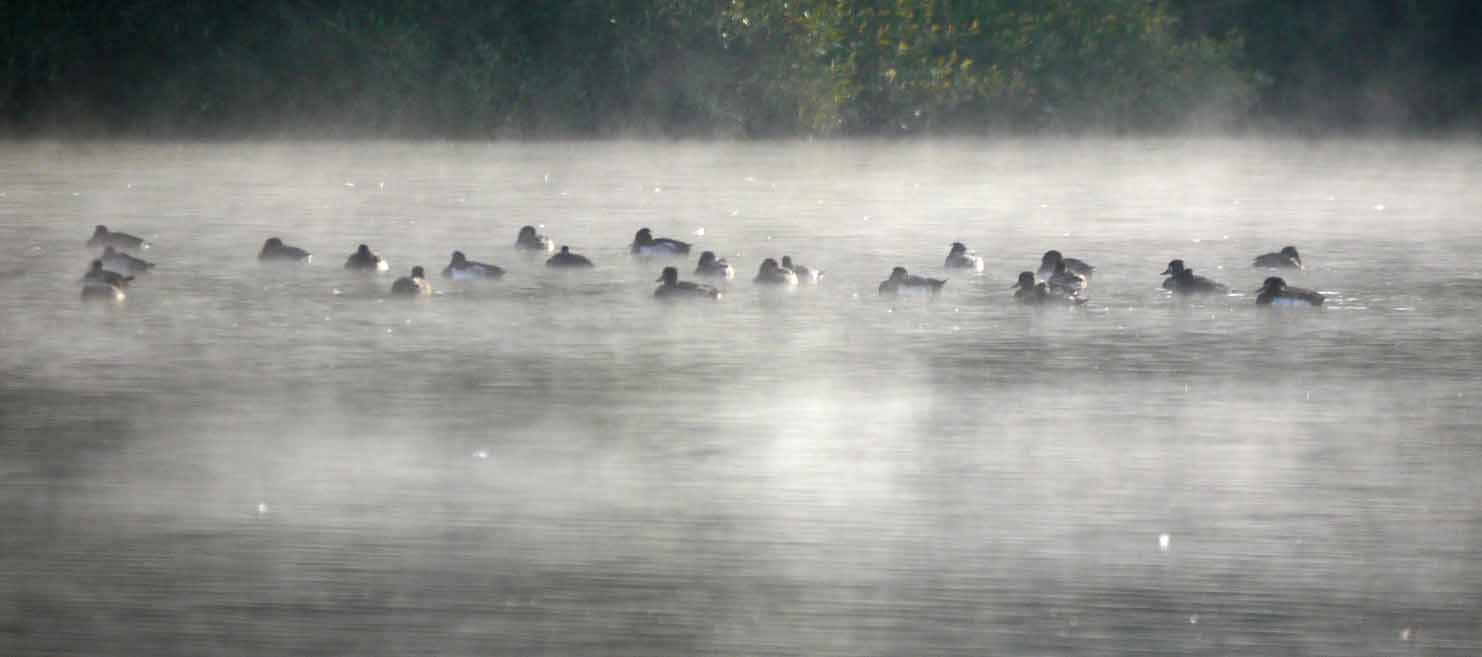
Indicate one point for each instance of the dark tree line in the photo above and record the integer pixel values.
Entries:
(741, 68)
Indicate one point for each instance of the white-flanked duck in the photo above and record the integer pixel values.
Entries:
(414, 285)
(1287, 258)
(645, 244)
(958, 257)
(901, 281)
(1181, 280)
(1029, 291)
(529, 240)
(1052, 258)
(97, 274)
(770, 273)
(104, 237)
(1275, 292)
(565, 258)
(713, 267)
(124, 263)
(274, 250)
(363, 260)
(673, 288)
(807, 275)
(463, 269)
(1065, 281)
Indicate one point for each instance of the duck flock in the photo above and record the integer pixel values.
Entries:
(1058, 281)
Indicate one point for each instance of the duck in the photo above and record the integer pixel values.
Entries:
(712, 267)
(364, 260)
(463, 269)
(807, 275)
(1052, 258)
(673, 288)
(97, 274)
(958, 257)
(1182, 280)
(565, 258)
(771, 273)
(1065, 281)
(645, 244)
(1287, 258)
(1028, 290)
(124, 263)
(414, 285)
(104, 237)
(528, 240)
(1275, 292)
(902, 281)
(274, 250)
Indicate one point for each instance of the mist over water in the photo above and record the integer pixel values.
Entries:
(248, 460)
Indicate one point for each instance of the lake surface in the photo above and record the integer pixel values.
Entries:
(242, 460)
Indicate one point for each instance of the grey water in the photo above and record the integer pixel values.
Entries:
(248, 460)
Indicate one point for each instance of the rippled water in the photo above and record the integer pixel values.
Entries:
(251, 461)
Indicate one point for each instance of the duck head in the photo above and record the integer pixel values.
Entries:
(1291, 252)
(670, 276)
(707, 259)
(1273, 285)
(787, 262)
(272, 243)
(418, 273)
(1175, 268)
(100, 230)
(97, 265)
(898, 273)
(1060, 267)
(958, 248)
(363, 251)
(1051, 258)
(769, 265)
(565, 249)
(459, 258)
(526, 233)
(1026, 281)
(643, 236)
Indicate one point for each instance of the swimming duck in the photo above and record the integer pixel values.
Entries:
(645, 244)
(1275, 292)
(901, 281)
(104, 237)
(1065, 281)
(567, 259)
(124, 263)
(1052, 258)
(463, 269)
(713, 267)
(364, 260)
(673, 288)
(1288, 258)
(958, 257)
(97, 274)
(1182, 280)
(528, 240)
(275, 250)
(805, 274)
(1032, 292)
(414, 285)
(770, 273)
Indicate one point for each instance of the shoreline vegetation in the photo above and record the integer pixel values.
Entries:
(736, 69)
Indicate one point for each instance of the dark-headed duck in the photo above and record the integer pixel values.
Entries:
(463, 269)
(1287, 258)
(364, 260)
(274, 250)
(713, 267)
(805, 274)
(1048, 262)
(104, 237)
(645, 244)
(1181, 280)
(673, 288)
(414, 285)
(901, 281)
(771, 273)
(958, 257)
(565, 258)
(1275, 292)
(529, 240)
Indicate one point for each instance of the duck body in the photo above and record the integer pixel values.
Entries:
(104, 237)
(363, 260)
(529, 240)
(274, 250)
(1287, 258)
(124, 263)
(806, 275)
(901, 281)
(713, 267)
(1275, 292)
(413, 285)
(958, 257)
(645, 244)
(463, 269)
(566, 259)
(673, 288)
(97, 275)
(770, 273)
(100, 291)
(1052, 258)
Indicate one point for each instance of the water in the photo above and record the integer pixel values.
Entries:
(250, 461)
